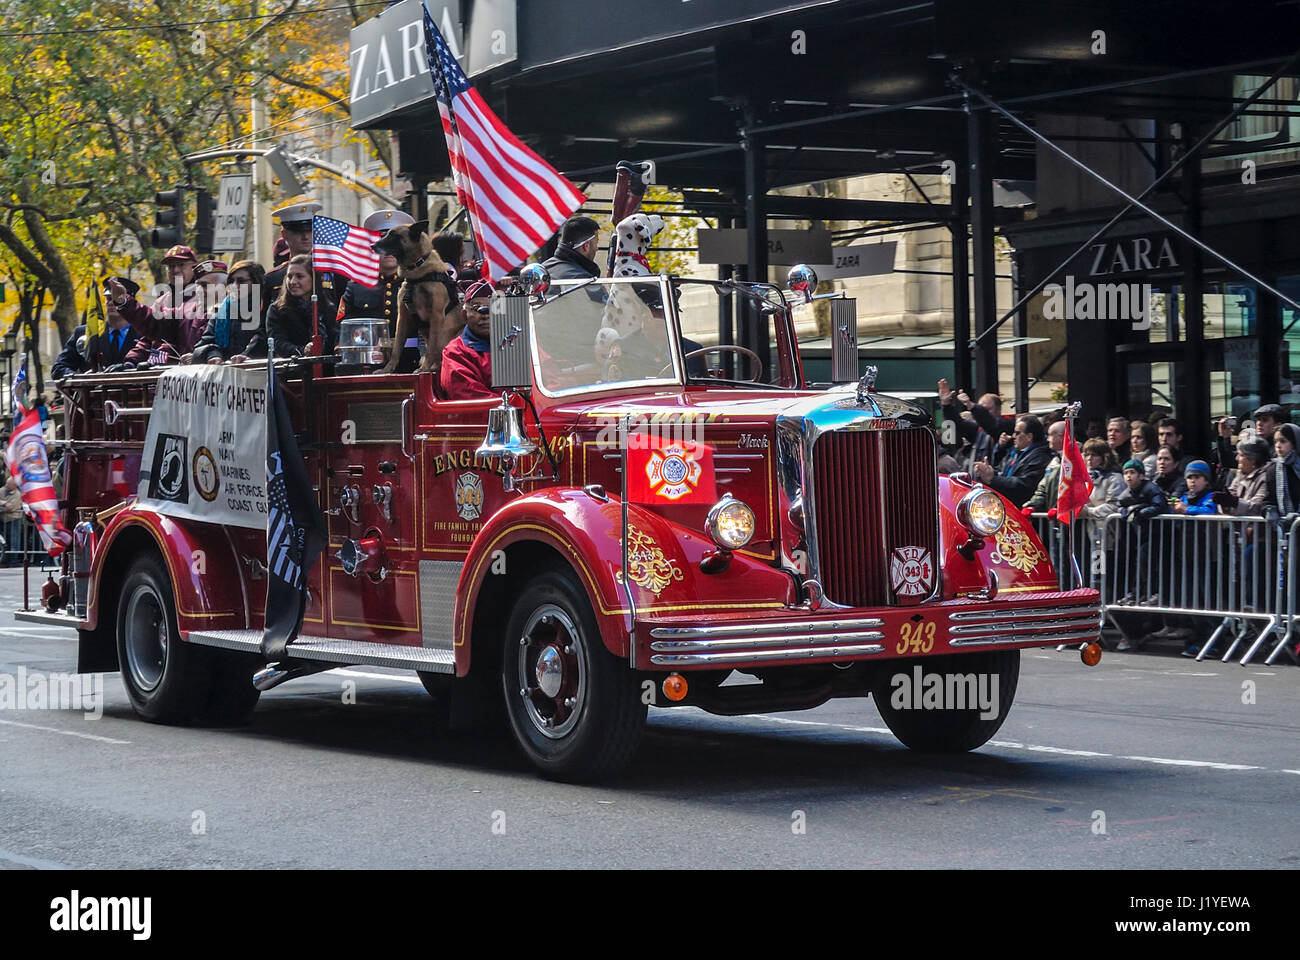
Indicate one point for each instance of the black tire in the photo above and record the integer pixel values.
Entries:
(166, 680)
(580, 717)
(947, 730)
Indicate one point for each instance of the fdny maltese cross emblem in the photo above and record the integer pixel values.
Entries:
(672, 471)
(911, 571)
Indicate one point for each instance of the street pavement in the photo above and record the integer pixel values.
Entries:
(1145, 761)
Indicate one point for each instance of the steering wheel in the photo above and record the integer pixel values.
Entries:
(758, 362)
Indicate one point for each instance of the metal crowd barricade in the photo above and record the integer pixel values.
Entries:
(1056, 537)
(1231, 568)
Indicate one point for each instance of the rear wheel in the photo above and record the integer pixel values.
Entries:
(923, 714)
(168, 681)
(574, 709)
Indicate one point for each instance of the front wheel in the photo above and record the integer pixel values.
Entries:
(574, 709)
(948, 704)
(168, 681)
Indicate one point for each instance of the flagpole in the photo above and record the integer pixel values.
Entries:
(1071, 412)
(315, 308)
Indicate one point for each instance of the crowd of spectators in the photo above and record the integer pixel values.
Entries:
(211, 312)
(1139, 469)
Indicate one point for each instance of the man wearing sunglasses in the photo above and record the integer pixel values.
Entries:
(1021, 470)
(466, 372)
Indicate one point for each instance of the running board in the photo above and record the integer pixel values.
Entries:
(48, 619)
(423, 659)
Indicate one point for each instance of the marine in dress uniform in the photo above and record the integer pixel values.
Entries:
(295, 219)
(380, 301)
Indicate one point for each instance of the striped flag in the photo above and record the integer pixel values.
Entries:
(295, 527)
(515, 199)
(29, 464)
(346, 249)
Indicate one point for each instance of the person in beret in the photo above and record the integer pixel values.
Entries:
(466, 370)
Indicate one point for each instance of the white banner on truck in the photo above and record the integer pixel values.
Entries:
(205, 452)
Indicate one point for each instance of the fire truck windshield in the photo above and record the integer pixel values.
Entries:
(605, 332)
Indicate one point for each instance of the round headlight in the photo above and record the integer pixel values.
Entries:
(981, 511)
(731, 523)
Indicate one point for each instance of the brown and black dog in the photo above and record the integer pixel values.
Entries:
(428, 298)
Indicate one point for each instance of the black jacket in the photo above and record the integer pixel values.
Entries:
(982, 434)
(1173, 485)
(1029, 467)
(1144, 503)
(569, 264)
(379, 302)
(78, 354)
(290, 327)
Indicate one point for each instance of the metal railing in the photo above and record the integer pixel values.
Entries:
(1233, 569)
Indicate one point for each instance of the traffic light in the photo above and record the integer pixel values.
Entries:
(204, 221)
(168, 219)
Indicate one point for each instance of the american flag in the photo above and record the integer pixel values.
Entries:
(345, 248)
(515, 199)
(29, 465)
(18, 391)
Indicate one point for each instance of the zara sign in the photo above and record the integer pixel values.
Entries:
(1131, 255)
(387, 70)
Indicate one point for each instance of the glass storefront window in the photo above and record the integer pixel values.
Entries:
(1288, 350)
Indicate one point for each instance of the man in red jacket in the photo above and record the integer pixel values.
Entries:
(466, 372)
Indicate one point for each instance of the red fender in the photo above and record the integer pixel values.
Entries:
(1016, 553)
(217, 602)
(584, 530)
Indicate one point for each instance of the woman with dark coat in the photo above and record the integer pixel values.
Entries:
(288, 321)
(233, 326)
(1286, 468)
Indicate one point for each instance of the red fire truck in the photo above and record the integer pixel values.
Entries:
(625, 526)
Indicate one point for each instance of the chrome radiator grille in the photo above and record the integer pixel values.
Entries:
(874, 491)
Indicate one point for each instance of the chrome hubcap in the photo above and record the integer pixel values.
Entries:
(550, 672)
(552, 667)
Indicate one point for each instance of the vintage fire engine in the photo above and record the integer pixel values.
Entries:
(624, 526)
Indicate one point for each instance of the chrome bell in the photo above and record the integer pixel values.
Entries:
(505, 435)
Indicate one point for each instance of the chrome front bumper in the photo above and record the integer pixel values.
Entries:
(958, 628)
(766, 642)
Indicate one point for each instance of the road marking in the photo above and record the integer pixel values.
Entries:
(376, 676)
(1291, 771)
(32, 861)
(1213, 765)
(1041, 748)
(66, 733)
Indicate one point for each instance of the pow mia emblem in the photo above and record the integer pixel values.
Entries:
(469, 496)
(170, 478)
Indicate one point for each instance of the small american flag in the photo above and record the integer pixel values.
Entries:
(515, 199)
(346, 249)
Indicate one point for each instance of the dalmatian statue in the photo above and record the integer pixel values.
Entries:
(625, 312)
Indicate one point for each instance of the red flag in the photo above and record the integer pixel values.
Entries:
(515, 199)
(666, 472)
(1075, 488)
